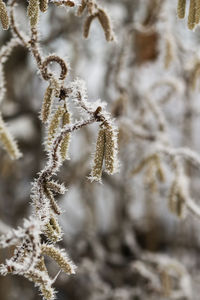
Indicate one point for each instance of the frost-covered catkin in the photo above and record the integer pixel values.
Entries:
(99, 156)
(8, 142)
(111, 150)
(43, 5)
(47, 104)
(33, 12)
(56, 187)
(60, 257)
(197, 13)
(181, 8)
(64, 147)
(191, 16)
(4, 15)
(42, 280)
(54, 124)
(52, 230)
(52, 201)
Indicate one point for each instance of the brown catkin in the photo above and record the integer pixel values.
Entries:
(60, 258)
(47, 104)
(8, 142)
(106, 24)
(43, 5)
(56, 187)
(150, 178)
(142, 164)
(66, 140)
(44, 285)
(87, 24)
(50, 59)
(99, 156)
(41, 265)
(176, 201)
(54, 124)
(159, 172)
(52, 230)
(181, 8)
(54, 205)
(168, 53)
(4, 15)
(192, 13)
(195, 75)
(81, 8)
(110, 150)
(33, 12)
(197, 14)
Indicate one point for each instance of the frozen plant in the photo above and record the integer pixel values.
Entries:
(30, 244)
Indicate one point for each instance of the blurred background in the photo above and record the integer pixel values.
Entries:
(121, 234)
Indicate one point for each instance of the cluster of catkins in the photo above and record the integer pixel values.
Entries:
(36, 6)
(38, 235)
(194, 12)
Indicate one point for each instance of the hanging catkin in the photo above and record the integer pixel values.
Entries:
(191, 16)
(43, 5)
(54, 124)
(181, 8)
(87, 25)
(106, 24)
(8, 142)
(66, 140)
(99, 156)
(197, 13)
(47, 103)
(111, 163)
(60, 258)
(4, 15)
(33, 12)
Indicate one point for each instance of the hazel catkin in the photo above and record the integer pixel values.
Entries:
(4, 15)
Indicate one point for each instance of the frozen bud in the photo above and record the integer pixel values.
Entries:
(4, 15)
(60, 258)
(99, 156)
(47, 104)
(181, 8)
